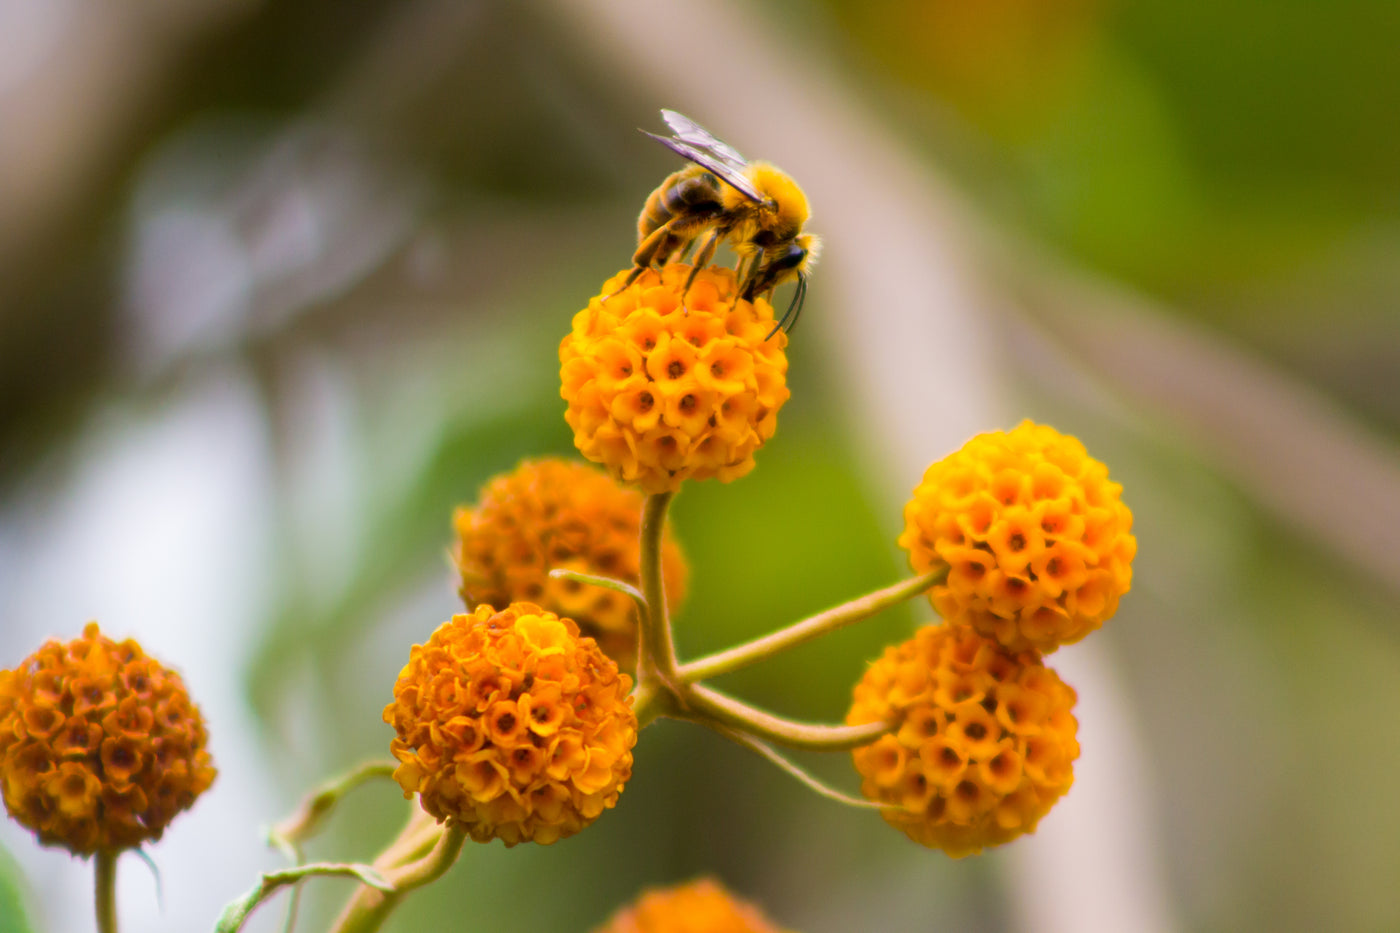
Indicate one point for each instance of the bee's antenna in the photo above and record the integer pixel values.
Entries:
(794, 308)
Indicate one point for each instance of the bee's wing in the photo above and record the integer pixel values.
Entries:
(692, 141)
(693, 134)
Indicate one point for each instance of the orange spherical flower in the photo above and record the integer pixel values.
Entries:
(1037, 542)
(661, 390)
(548, 514)
(701, 906)
(983, 741)
(100, 746)
(512, 726)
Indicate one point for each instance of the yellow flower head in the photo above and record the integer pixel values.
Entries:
(512, 726)
(661, 391)
(1037, 541)
(552, 513)
(100, 746)
(983, 741)
(701, 906)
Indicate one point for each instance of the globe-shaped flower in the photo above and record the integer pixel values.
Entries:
(511, 726)
(701, 906)
(983, 741)
(100, 746)
(552, 513)
(1037, 541)
(661, 390)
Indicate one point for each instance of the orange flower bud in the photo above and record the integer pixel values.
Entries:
(978, 754)
(100, 746)
(551, 513)
(1036, 538)
(661, 390)
(512, 726)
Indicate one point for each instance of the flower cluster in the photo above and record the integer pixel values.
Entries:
(983, 739)
(553, 513)
(512, 726)
(701, 906)
(100, 746)
(1036, 538)
(663, 387)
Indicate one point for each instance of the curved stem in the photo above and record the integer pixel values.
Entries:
(706, 703)
(432, 866)
(656, 648)
(651, 701)
(288, 835)
(238, 911)
(417, 838)
(593, 579)
(105, 890)
(369, 908)
(777, 758)
(832, 619)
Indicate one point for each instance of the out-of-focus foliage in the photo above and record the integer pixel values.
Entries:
(12, 913)
(1239, 158)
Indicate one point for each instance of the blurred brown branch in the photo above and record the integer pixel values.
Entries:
(1303, 457)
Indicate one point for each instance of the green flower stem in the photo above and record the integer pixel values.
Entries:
(777, 758)
(105, 890)
(288, 835)
(621, 586)
(656, 649)
(237, 913)
(832, 619)
(705, 703)
(653, 700)
(370, 907)
(416, 839)
(432, 866)
(647, 703)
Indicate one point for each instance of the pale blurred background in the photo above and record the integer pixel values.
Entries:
(282, 283)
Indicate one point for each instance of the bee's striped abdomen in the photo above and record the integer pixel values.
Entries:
(692, 194)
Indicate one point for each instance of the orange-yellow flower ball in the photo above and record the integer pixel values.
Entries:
(1037, 541)
(100, 746)
(660, 392)
(701, 906)
(552, 513)
(983, 741)
(511, 726)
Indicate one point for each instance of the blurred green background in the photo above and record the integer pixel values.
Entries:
(282, 283)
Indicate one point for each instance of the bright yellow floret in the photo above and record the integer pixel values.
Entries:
(983, 742)
(660, 392)
(511, 726)
(1036, 538)
(701, 906)
(552, 513)
(100, 746)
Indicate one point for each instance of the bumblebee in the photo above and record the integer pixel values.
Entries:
(754, 206)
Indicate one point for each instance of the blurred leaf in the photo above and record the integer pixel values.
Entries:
(13, 918)
(794, 537)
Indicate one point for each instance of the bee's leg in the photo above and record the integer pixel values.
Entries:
(748, 287)
(745, 271)
(673, 250)
(702, 259)
(661, 242)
